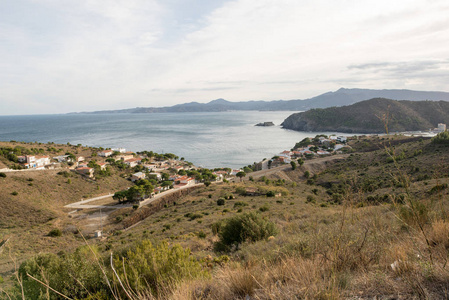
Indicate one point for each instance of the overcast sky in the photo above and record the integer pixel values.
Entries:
(83, 55)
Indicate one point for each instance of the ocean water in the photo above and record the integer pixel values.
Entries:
(208, 139)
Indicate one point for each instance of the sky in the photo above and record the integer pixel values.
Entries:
(85, 55)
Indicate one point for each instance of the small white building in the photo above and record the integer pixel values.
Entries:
(120, 150)
(132, 162)
(235, 171)
(105, 153)
(342, 139)
(137, 176)
(441, 127)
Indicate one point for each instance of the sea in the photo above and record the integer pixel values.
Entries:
(207, 139)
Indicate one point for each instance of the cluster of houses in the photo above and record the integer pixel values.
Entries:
(327, 146)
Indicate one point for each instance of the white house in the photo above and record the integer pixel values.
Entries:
(105, 153)
(235, 171)
(342, 139)
(132, 162)
(185, 180)
(121, 150)
(32, 161)
(137, 176)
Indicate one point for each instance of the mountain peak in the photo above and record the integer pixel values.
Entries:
(219, 101)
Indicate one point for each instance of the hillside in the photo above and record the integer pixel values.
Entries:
(338, 98)
(368, 117)
(372, 224)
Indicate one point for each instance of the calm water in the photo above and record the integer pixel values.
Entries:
(207, 139)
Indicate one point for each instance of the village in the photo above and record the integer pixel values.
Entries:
(153, 174)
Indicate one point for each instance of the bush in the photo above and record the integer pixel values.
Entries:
(15, 193)
(310, 199)
(75, 275)
(2, 174)
(271, 194)
(264, 208)
(240, 204)
(441, 138)
(221, 202)
(55, 232)
(156, 268)
(250, 227)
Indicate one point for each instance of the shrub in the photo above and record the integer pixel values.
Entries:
(221, 202)
(271, 194)
(240, 204)
(15, 193)
(2, 174)
(202, 234)
(75, 275)
(55, 232)
(441, 138)
(264, 208)
(156, 268)
(310, 199)
(249, 227)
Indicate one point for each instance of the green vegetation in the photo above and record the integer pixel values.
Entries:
(249, 227)
(369, 117)
(441, 138)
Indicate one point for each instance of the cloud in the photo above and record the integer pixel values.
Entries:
(80, 55)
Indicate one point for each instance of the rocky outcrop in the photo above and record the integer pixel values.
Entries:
(265, 124)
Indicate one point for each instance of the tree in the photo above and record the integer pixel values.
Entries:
(300, 161)
(165, 176)
(120, 196)
(247, 170)
(293, 165)
(240, 175)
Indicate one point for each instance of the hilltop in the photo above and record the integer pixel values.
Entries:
(338, 98)
(368, 117)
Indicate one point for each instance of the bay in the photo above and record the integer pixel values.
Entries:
(208, 139)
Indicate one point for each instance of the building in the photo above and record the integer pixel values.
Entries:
(342, 139)
(184, 180)
(35, 162)
(263, 165)
(132, 162)
(105, 153)
(120, 150)
(441, 127)
(235, 171)
(137, 176)
(124, 157)
(86, 171)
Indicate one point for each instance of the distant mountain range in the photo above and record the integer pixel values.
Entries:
(372, 116)
(339, 98)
